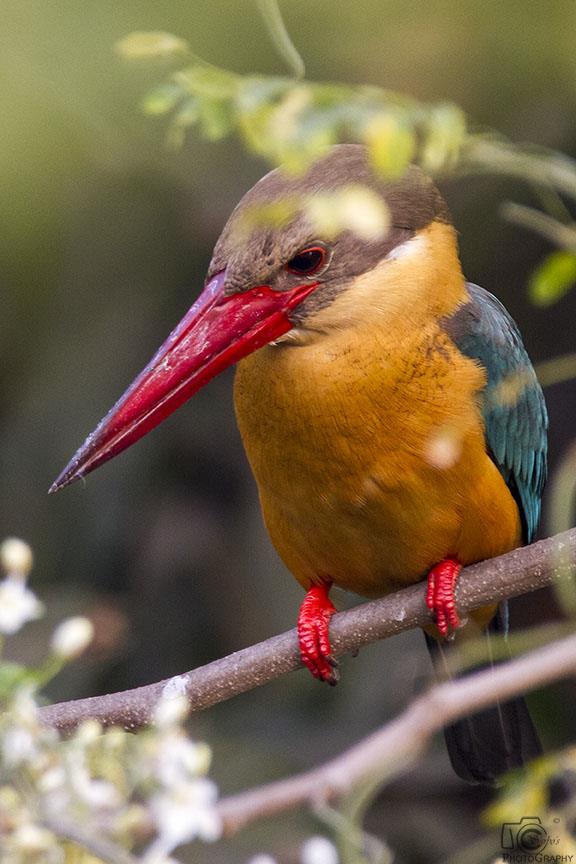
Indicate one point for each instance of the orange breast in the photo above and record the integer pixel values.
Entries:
(367, 446)
(366, 480)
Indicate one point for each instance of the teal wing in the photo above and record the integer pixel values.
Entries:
(513, 406)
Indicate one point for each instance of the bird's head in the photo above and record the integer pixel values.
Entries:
(275, 271)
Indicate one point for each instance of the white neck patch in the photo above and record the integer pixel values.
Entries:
(414, 246)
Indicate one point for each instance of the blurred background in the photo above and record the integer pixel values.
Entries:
(104, 240)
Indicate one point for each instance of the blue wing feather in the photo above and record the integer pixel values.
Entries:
(513, 406)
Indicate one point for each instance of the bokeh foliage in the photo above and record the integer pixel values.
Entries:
(288, 121)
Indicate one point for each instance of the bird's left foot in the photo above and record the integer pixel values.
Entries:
(313, 620)
(440, 600)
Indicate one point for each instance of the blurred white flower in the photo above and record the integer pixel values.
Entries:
(143, 44)
(262, 858)
(98, 794)
(71, 637)
(17, 604)
(51, 780)
(179, 759)
(171, 709)
(88, 731)
(444, 447)
(184, 813)
(158, 858)
(32, 840)
(163, 860)
(318, 850)
(18, 746)
(16, 556)
(24, 710)
(112, 784)
(351, 208)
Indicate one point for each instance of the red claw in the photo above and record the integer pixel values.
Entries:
(440, 600)
(313, 620)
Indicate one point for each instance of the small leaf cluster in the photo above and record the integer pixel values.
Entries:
(553, 277)
(291, 122)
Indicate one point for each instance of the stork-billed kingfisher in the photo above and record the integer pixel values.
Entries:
(388, 408)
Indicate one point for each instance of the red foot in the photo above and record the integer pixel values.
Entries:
(313, 619)
(440, 595)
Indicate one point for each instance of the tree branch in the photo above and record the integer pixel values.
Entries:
(98, 846)
(509, 575)
(395, 747)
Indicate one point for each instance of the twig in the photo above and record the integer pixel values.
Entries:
(101, 848)
(557, 370)
(509, 575)
(270, 11)
(561, 234)
(395, 747)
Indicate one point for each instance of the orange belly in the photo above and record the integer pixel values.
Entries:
(371, 463)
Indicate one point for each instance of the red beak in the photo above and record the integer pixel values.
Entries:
(216, 331)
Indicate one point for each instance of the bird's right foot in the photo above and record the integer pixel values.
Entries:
(313, 620)
(440, 599)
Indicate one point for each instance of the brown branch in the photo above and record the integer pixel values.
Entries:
(395, 747)
(510, 575)
(100, 847)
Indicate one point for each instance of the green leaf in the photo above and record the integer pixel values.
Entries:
(205, 80)
(553, 278)
(188, 114)
(254, 93)
(444, 135)
(144, 45)
(175, 136)
(216, 118)
(391, 144)
(12, 676)
(162, 99)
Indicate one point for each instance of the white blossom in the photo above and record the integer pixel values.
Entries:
(443, 448)
(318, 850)
(51, 780)
(184, 813)
(352, 208)
(179, 759)
(88, 732)
(170, 709)
(24, 710)
(31, 839)
(262, 858)
(98, 794)
(110, 783)
(18, 746)
(17, 604)
(71, 637)
(16, 556)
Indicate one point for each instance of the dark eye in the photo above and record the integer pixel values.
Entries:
(307, 262)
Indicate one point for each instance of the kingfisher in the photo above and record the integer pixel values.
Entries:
(388, 408)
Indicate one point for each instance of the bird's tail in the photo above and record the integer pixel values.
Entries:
(485, 745)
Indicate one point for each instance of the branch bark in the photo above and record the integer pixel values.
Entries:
(100, 847)
(395, 747)
(510, 575)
